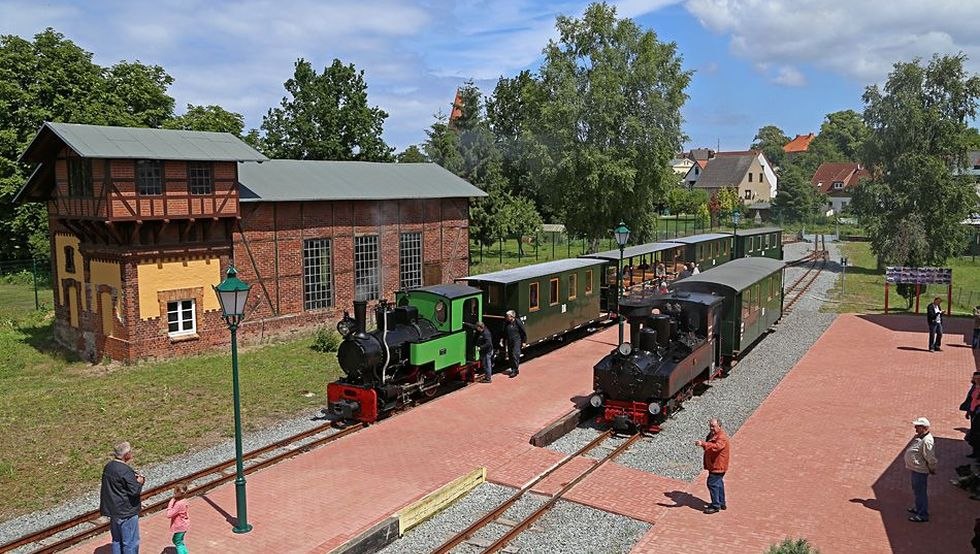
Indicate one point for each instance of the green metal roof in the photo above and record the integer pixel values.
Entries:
(633, 251)
(698, 239)
(307, 180)
(508, 276)
(758, 231)
(736, 274)
(98, 141)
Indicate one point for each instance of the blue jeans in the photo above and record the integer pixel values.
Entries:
(125, 534)
(920, 482)
(716, 488)
(487, 360)
(935, 335)
(515, 357)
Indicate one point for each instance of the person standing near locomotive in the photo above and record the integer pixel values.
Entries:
(516, 337)
(972, 408)
(934, 316)
(717, 452)
(920, 460)
(484, 342)
(119, 499)
(976, 328)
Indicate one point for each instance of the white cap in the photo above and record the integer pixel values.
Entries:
(921, 421)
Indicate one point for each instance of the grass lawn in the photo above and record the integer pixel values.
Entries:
(60, 417)
(865, 291)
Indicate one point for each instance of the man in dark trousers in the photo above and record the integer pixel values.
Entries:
(717, 451)
(120, 500)
(484, 342)
(972, 408)
(934, 315)
(516, 337)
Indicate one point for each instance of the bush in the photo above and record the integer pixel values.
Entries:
(792, 546)
(325, 340)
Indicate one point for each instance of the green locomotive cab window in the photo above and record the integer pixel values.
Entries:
(533, 301)
(588, 282)
(441, 314)
(471, 311)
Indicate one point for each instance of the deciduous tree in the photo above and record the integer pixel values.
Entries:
(208, 118)
(412, 154)
(771, 139)
(797, 199)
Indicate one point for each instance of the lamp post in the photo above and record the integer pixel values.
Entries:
(232, 295)
(622, 234)
(736, 217)
(843, 274)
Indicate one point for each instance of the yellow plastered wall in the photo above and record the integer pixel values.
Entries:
(105, 273)
(72, 306)
(61, 240)
(159, 276)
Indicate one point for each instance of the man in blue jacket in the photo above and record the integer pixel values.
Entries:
(934, 315)
(120, 500)
(516, 337)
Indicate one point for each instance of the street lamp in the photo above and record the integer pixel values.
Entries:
(736, 217)
(232, 295)
(622, 234)
(843, 274)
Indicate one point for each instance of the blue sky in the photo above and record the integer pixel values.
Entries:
(785, 62)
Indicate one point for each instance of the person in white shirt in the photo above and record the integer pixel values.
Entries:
(934, 316)
(920, 460)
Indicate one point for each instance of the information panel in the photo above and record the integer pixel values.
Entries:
(919, 275)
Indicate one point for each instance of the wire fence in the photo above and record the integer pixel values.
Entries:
(28, 273)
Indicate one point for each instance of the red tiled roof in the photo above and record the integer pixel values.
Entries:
(848, 173)
(702, 163)
(457, 108)
(798, 144)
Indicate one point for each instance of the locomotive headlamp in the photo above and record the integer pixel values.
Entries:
(653, 408)
(345, 326)
(625, 349)
(595, 401)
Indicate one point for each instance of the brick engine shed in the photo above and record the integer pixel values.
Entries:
(144, 222)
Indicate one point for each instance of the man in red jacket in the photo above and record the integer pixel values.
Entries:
(717, 450)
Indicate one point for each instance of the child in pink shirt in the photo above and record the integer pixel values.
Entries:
(179, 522)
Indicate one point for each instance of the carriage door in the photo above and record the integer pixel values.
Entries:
(471, 314)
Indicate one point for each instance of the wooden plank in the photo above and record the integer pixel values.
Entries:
(435, 501)
(372, 540)
(561, 426)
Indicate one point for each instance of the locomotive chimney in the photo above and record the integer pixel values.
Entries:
(635, 332)
(360, 316)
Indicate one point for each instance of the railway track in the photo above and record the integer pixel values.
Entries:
(816, 262)
(519, 527)
(68, 533)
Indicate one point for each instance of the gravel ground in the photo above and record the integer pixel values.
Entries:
(672, 452)
(157, 475)
(567, 527)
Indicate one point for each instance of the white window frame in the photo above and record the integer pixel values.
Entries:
(317, 274)
(838, 185)
(182, 324)
(410, 260)
(367, 283)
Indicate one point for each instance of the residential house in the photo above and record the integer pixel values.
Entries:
(749, 172)
(798, 145)
(694, 173)
(681, 165)
(143, 222)
(836, 181)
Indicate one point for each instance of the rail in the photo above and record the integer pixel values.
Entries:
(817, 261)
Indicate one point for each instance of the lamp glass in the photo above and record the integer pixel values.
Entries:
(232, 294)
(622, 234)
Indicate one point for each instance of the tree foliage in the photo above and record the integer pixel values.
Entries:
(683, 200)
(771, 139)
(797, 199)
(917, 144)
(208, 118)
(410, 155)
(325, 117)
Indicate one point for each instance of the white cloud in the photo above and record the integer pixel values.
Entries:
(860, 39)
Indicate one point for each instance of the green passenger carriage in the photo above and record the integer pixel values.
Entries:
(762, 242)
(551, 298)
(753, 293)
(708, 250)
(642, 259)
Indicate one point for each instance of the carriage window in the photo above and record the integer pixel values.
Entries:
(532, 297)
(553, 292)
(440, 312)
(772, 281)
(588, 282)
(493, 295)
(572, 286)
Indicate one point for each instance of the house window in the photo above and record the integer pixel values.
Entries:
(553, 292)
(69, 259)
(533, 300)
(750, 177)
(572, 286)
(838, 185)
(199, 178)
(180, 318)
(79, 177)
(760, 177)
(317, 274)
(748, 194)
(367, 268)
(410, 264)
(149, 177)
(588, 282)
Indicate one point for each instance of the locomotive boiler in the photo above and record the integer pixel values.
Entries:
(672, 346)
(418, 344)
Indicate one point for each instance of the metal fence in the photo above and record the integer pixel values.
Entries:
(28, 272)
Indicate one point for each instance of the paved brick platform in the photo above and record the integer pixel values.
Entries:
(822, 457)
(317, 501)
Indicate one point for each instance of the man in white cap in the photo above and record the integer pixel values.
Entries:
(920, 459)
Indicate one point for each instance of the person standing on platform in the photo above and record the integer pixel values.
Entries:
(934, 315)
(484, 342)
(972, 408)
(119, 499)
(180, 523)
(696, 270)
(920, 460)
(717, 452)
(976, 328)
(516, 337)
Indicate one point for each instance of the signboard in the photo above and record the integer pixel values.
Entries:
(919, 275)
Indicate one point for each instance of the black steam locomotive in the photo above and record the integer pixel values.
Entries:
(673, 345)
